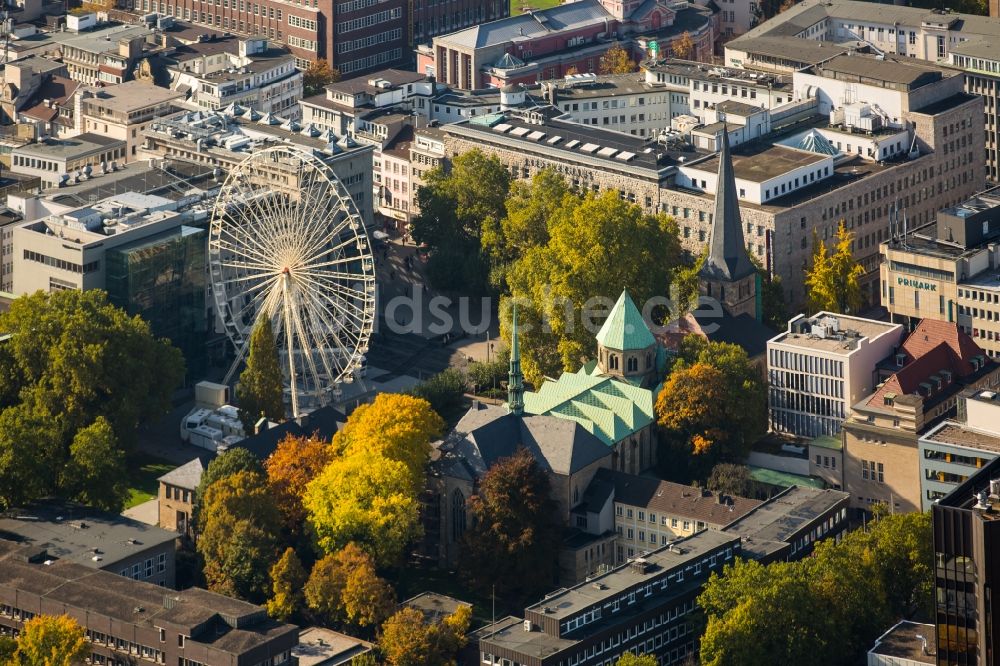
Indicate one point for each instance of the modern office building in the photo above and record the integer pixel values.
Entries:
(820, 367)
(813, 30)
(955, 449)
(966, 527)
(91, 538)
(132, 621)
(949, 271)
(918, 387)
(164, 279)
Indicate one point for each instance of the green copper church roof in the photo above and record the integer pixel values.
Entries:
(609, 408)
(625, 329)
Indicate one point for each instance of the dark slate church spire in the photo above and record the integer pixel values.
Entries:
(727, 259)
(515, 380)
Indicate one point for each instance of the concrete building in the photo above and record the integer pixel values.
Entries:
(965, 528)
(91, 538)
(820, 367)
(25, 77)
(545, 44)
(341, 105)
(247, 72)
(949, 271)
(801, 177)
(129, 620)
(326, 647)
(210, 140)
(176, 496)
(122, 112)
(812, 30)
(105, 56)
(650, 513)
(955, 449)
(919, 385)
(905, 644)
(58, 161)
(644, 606)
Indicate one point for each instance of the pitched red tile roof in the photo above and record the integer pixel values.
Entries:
(929, 333)
(932, 347)
(58, 89)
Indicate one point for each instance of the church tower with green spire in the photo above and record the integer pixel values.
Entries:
(515, 380)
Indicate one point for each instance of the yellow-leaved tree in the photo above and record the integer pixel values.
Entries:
(344, 587)
(833, 282)
(368, 493)
(616, 60)
(52, 640)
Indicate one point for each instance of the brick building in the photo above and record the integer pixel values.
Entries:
(176, 496)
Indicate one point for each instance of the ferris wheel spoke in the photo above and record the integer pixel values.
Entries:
(324, 281)
(333, 326)
(248, 243)
(305, 343)
(349, 241)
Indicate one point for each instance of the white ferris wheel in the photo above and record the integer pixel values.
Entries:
(287, 243)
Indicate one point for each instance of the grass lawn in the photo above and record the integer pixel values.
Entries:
(516, 5)
(143, 473)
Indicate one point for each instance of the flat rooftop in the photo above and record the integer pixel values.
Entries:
(132, 96)
(887, 71)
(851, 330)
(70, 531)
(326, 647)
(570, 140)
(908, 640)
(805, 51)
(772, 525)
(700, 71)
(62, 149)
(958, 434)
(760, 162)
(567, 602)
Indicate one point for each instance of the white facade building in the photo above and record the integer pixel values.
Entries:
(820, 367)
(245, 72)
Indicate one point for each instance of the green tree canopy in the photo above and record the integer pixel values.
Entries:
(455, 205)
(597, 245)
(96, 473)
(511, 546)
(833, 281)
(409, 639)
(762, 615)
(631, 659)
(260, 389)
(240, 528)
(445, 391)
(228, 463)
(73, 367)
(287, 578)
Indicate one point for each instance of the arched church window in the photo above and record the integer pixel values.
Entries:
(457, 515)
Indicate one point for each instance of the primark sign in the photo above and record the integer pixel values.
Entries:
(916, 284)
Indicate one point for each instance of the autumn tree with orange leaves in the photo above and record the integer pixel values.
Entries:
(710, 406)
(295, 462)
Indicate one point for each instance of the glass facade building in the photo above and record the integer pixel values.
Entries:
(966, 526)
(163, 279)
